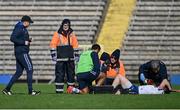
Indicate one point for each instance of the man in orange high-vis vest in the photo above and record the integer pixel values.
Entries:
(114, 67)
(63, 37)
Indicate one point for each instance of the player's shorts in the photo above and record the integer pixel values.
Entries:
(132, 90)
(85, 79)
(108, 81)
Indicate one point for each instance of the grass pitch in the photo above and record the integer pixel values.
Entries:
(48, 99)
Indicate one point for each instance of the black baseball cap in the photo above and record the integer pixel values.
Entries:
(116, 54)
(27, 18)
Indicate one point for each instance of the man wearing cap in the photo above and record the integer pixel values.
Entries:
(152, 72)
(21, 40)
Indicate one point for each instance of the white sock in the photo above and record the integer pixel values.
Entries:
(76, 90)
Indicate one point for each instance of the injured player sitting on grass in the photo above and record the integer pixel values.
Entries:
(122, 85)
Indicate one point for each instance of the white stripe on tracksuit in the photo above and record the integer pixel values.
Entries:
(28, 62)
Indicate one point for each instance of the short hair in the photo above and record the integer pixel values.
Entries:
(155, 65)
(96, 47)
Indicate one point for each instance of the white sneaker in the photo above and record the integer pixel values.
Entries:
(35, 92)
(6, 92)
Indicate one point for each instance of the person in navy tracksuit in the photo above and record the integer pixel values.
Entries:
(154, 72)
(21, 40)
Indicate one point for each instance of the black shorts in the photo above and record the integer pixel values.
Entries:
(108, 81)
(85, 79)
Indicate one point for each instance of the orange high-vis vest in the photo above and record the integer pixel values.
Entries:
(111, 73)
(60, 40)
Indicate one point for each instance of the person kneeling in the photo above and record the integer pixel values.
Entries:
(88, 70)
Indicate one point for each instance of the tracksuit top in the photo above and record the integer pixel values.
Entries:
(18, 37)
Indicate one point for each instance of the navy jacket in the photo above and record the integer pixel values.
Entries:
(18, 37)
(96, 67)
(148, 74)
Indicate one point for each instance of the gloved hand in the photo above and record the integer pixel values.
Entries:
(143, 79)
(104, 68)
(76, 55)
(53, 55)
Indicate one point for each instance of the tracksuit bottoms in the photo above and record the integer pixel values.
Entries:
(23, 61)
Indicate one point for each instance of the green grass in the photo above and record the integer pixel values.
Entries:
(48, 99)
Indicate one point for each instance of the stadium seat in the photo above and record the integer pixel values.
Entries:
(85, 17)
(153, 33)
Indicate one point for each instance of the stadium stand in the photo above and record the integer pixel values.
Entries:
(153, 34)
(115, 24)
(86, 17)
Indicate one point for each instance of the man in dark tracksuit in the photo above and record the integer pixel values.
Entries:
(21, 40)
(153, 71)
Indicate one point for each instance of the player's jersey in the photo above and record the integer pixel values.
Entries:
(150, 89)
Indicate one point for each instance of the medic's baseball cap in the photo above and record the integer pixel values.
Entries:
(27, 18)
